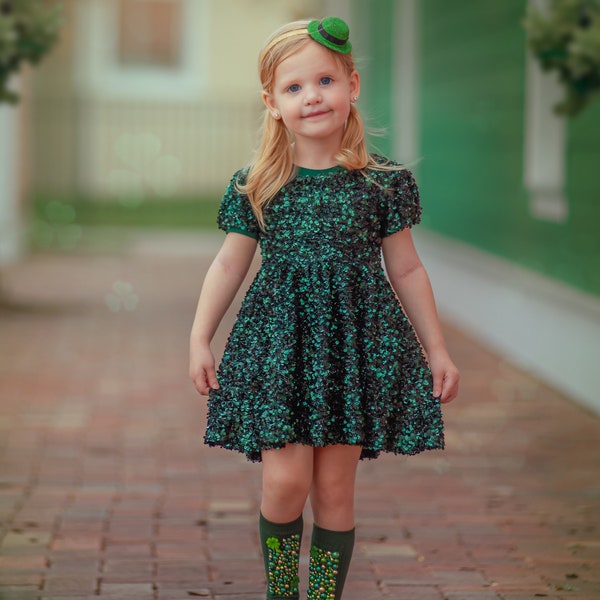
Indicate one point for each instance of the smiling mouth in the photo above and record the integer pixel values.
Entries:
(315, 114)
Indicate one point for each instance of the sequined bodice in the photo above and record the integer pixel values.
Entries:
(312, 221)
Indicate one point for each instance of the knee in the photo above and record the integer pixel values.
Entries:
(334, 496)
(333, 492)
(285, 485)
(333, 507)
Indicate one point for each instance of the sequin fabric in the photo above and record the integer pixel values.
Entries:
(321, 352)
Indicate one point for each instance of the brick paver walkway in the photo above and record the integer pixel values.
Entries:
(106, 489)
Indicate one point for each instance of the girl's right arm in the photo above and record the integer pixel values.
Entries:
(222, 282)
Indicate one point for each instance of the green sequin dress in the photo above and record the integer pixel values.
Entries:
(321, 352)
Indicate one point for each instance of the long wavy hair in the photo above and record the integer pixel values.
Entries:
(273, 165)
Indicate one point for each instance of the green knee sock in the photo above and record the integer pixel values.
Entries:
(280, 543)
(330, 555)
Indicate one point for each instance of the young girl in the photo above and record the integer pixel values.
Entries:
(322, 367)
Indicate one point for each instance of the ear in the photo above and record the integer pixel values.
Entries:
(269, 102)
(354, 84)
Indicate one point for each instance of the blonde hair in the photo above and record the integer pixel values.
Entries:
(273, 165)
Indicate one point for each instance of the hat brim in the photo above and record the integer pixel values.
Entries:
(315, 34)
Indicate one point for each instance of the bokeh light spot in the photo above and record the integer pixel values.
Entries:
(121, 297)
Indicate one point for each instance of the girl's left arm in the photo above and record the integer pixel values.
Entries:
(410, 281)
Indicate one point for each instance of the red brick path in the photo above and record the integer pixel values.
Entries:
(106, 489)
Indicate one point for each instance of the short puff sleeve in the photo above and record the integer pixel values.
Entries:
(400, 204)
(235, 213)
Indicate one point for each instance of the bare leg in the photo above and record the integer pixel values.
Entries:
(332, 499)
(332, 493)
(287, 477)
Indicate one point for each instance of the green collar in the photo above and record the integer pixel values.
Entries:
(304, 172)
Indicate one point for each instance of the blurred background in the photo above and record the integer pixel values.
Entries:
(141, 111)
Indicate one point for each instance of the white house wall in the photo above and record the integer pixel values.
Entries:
(11, 228)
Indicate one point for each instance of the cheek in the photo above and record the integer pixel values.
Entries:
(344, 108)
(343, 102)
(289, 107)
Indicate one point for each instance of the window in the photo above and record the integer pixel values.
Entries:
(142, 50)
(149, 33)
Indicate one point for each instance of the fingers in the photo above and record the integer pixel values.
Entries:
(205, 381)
(202, 369)
(449, 386)
(213, 384)
(438, 379)
(445, 384)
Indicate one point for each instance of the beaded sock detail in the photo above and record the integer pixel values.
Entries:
(330, 555)
(280, 544)
(323, 570)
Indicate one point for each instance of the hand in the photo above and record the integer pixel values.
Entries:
(445, 377)
(202, 370)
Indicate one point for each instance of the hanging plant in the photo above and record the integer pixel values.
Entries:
(28, 30)
(566, 38)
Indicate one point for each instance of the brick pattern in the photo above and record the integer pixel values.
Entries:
(106, 489)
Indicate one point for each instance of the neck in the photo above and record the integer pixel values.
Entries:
(315, 154)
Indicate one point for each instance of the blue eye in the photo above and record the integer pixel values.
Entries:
(294, 88)
(326, 80)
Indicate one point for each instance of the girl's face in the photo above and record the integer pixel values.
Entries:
(312, 93)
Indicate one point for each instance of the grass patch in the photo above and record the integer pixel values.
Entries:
(61, 223)
(171, 214)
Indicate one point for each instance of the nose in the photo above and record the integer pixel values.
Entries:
(312, 96)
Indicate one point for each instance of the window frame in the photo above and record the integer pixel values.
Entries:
(100, 73)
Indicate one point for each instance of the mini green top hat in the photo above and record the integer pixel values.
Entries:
(331, 32)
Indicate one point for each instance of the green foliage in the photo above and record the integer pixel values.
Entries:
(566, 39)
(28, 30)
